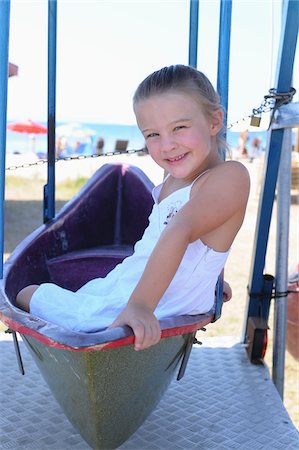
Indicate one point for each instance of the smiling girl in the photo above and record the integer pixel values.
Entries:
(198, 210)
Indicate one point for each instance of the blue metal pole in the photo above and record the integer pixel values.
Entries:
(4, 41)
(224, 53)
(286, 55)
(49, 190)
(193, 33)
(222, 88)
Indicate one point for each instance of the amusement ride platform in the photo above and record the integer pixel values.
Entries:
(223, 403)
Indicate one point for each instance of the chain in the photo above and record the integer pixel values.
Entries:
(42, 161)
(274, 100)
(244, 119)
(271, 102)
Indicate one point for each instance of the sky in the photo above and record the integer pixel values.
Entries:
(106, 47)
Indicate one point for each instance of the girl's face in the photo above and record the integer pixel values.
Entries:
(177, 134)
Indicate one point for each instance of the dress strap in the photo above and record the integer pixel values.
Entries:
(200, 175)
(157, 189)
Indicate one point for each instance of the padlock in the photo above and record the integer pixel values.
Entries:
(255, 121)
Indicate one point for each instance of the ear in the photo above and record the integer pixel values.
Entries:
(216, 122)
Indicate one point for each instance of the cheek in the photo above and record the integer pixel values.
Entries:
(200, 140)
(192, 141)
(153, 149)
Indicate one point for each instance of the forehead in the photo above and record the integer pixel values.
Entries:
(168, 106)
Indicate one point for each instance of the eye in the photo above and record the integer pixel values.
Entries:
(179, 127)
(151, 135)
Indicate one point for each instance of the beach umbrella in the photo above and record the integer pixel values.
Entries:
(74, 130)
(27, 126)
(30, 128)
(12, 70)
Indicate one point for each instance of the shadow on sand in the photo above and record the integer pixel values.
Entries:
(21, 218)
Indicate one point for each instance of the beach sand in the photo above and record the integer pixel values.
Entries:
(237, 268)
(74, 169)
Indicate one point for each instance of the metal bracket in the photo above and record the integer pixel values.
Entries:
(17, 349)
(192, 340)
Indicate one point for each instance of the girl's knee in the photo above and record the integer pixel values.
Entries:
(24, 296)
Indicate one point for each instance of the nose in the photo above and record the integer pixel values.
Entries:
(167, 144)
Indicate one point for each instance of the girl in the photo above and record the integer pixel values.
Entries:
(198, 211)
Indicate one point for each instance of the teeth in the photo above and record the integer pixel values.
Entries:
(177, 158)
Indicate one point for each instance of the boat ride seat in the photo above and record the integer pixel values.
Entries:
(74, 269)
(89, 236)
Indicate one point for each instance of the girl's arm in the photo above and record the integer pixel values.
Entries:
(157, 275)
(218, 204)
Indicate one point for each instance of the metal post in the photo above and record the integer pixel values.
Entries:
(222, 88)
(285, 64)
(4, 41)
(49, 189)
(223, 53)
(282, 244)
(193, 33)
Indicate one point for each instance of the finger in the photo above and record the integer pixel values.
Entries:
(148, 337)
(157, 333)
(152, 335)
(139, 332)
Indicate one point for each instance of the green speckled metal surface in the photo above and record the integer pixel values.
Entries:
(108, 394)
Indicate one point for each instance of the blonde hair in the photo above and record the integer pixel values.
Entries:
(188, 80)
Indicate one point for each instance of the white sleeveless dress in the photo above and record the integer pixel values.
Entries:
(96, 304)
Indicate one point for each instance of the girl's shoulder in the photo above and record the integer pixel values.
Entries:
(231, 166)
(225, 177)
(228, 169)
(234, 172)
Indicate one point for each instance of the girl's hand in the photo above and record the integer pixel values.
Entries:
(227, 291)
(143, 322)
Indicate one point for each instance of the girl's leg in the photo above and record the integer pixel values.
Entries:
(24, 296)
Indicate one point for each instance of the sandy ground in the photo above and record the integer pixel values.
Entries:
(237, 268)
(78, 168)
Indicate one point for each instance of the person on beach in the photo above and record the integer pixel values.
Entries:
(255, 149)
(197, 213)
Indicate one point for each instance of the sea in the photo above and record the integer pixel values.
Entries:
(110, 133)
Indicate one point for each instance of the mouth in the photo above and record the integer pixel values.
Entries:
(177, 158)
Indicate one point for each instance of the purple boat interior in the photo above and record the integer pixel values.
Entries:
(91, 234)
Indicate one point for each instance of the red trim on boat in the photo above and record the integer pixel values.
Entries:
(128, 340)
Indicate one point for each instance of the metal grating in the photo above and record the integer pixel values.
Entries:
(222, 403)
